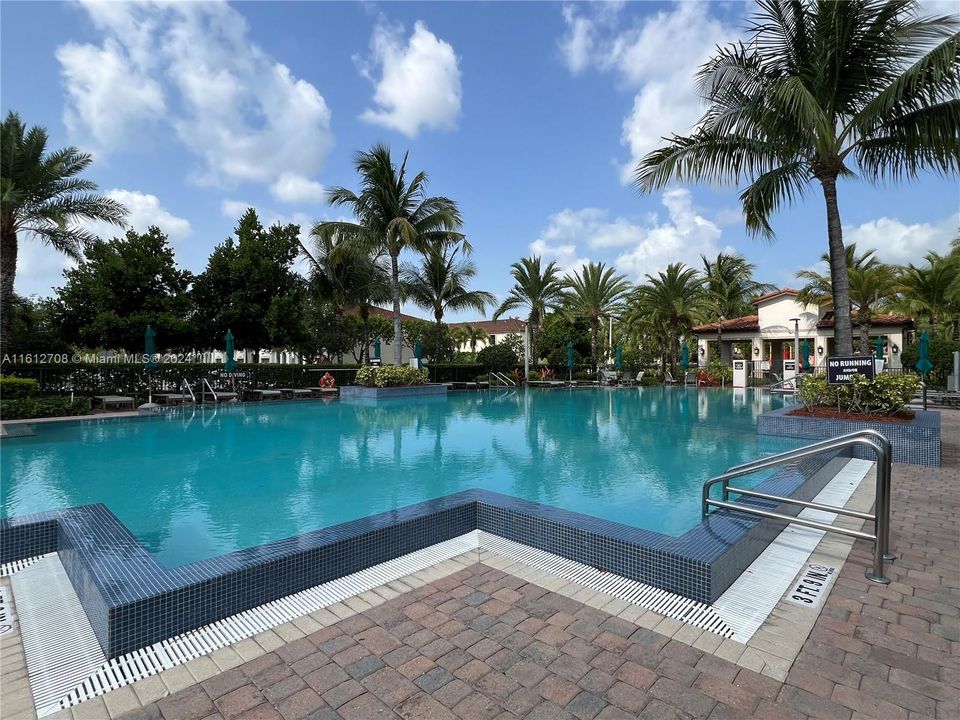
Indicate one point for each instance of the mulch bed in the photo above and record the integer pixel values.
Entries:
(831, 413)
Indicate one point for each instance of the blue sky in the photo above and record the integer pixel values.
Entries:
(528, 114)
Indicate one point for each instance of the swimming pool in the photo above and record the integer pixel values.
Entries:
(196, 484)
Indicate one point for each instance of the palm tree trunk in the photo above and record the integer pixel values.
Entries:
(839, 279)
(438, 316)
(594, 331)
(534, 325)
(674, 340)
(8, 272)
(365, 331)
(397, 328)
(863, 318)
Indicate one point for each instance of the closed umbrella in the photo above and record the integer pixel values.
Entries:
(150, 364)
(685, 357)
(923, 362)
(376, 349)
(229, 363)
(570, 359)
(805, 354)
(418, 353)
(879, 345)
(618, 358)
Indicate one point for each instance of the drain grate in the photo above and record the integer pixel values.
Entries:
(636, 593)
(17, 565)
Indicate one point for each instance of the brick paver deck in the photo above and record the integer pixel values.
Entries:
(484, 645)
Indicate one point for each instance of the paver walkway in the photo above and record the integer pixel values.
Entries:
(485, 645)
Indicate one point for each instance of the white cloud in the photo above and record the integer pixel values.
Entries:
(143, 210)
(656, 58)
(233, 209)
(419, 83)
(644, 247)
(39, 267)
(293, 188)
(902, 243)
(242, 113)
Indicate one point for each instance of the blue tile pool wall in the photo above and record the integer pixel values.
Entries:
(133, 601)
(914, 443)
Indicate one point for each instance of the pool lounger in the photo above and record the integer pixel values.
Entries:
(296, 392)
(325, 390)
(171, 398)
(108, 401)
(264, 394)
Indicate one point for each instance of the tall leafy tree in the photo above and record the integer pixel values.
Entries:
(394, 214)
(440, 283)
(42, 195)
(871, 282)
(729, 284)
(672, 299)
(249, 287)
(537, 287)
(469, 335)
(348, 275)
(595, 292)
(818, 88)
(925, 292)
(120, 287)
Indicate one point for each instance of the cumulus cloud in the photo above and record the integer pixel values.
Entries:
(242, 113)
(419, 80)
(293, 188)
(898, 242)
(655, 58)
(644, 246)
(39, 268)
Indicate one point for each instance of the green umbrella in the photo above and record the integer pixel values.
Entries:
(150, 350)
(570, 355)
(418, 351)
(618, 358)
(229, 363)
(805, 354)
(685, 357)
(923, 362)
(376, 348)
(879, 348)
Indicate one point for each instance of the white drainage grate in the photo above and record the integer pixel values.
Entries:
(17, 565)
(636, 593)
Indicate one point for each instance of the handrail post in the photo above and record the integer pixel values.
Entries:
(876, 573)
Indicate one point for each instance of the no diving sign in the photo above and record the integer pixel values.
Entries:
(811, 587)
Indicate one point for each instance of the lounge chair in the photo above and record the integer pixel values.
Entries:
(669, 379)
(610, 377)
(116, 401)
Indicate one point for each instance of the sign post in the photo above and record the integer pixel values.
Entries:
(739, 373)
(841, 369)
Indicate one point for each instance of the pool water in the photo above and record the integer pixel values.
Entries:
(199, 483)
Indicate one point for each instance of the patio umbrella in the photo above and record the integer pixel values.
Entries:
(570, 359)
(229, 363)
(923, 362)
(618, 358)
(805, 354)
(150, 365)
(879, 348)
(376, 348)
(685, 357)
(418, 352)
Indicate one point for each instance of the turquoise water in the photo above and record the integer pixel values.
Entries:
(197, 484)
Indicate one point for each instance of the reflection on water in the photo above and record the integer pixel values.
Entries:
(209, 481)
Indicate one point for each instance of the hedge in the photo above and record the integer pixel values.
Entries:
(884, 395)
(13, 388)
(41, 407)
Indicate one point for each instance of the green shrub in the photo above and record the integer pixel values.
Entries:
(13, 388)
(884, 395)
(652, 376)
(498, 357)
(720, 373)
(391, 375)
(34, 407)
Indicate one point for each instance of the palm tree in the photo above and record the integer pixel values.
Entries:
(595, 292)
(469, 334)
(42, 195)
(440, 284)
(346, 273)
(818, 86)
(538, 288)
(926, 291)
(730, 286)
(871, 286)
(675, 299)
(393, 215)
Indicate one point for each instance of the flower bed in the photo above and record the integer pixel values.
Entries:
(391, 376)
(884, 395)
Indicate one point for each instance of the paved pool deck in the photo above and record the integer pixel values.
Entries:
(482, 643)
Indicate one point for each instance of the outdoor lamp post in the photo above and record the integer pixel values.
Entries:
(796, 338)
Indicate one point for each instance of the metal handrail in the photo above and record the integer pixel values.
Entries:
(881, 516)
(502, 379)
(216, 398)
(192, 396)
(794, 383)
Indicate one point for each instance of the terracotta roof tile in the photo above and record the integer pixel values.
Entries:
(746, 323)
(878, 320)
(775, 293)
(494, 327)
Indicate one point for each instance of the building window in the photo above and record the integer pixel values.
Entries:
(493, 339)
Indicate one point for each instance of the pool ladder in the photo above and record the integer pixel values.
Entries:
(880, 517)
